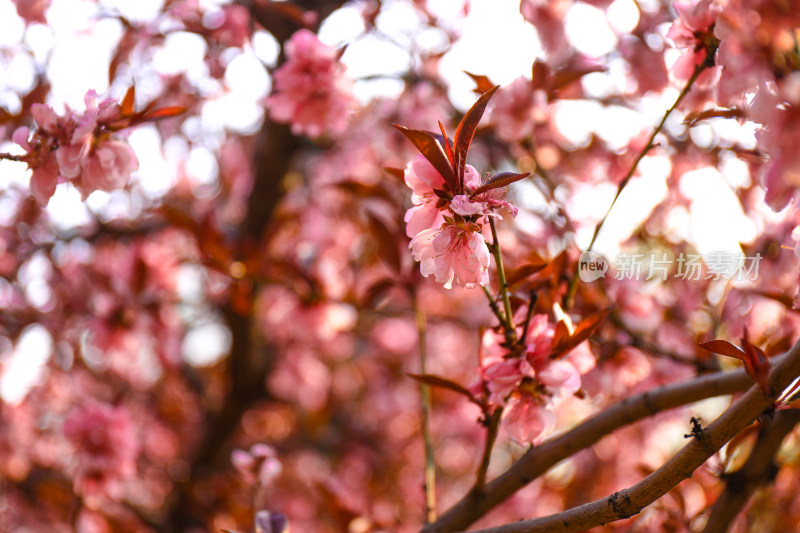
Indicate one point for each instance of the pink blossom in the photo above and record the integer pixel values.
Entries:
(527, 420)
(43, 164)
(32, 10)
(560, 377)
(503, 376)
(311, 91)
(260, 464)
(454, 252)
(108, 166)
(105, 446)
(462, 205)
(422, 178)
(693, 29)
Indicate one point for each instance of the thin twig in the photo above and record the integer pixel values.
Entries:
(628, 502)
(508, 326)
(758, 470)
(492, 424)
(430, 464)
(540, 459)
(493, 305)
(573, 284)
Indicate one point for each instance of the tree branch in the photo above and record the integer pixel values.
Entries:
(628, 502)
(759, 469)
(543, 457)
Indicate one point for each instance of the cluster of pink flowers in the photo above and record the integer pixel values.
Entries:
(311, 91)
(757, 53)
(694, 30)
(76, 147)
(447, 235)
(527, 382)
(259, 465)
(105, 447)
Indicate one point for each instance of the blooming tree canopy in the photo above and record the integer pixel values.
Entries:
(277, 266)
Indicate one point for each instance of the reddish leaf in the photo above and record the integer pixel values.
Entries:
(583, 331)
(464, 133)
(448, 146)
(724, 348)
(568, 75)
(503, 179)
(561, 337)
(432, 150)
(482, 83)
(698, 116)
(164, 112)
(398, 173)
(364, 191)
(756, 363)
(387, 242)
(523, 272)
(128, 102)
(438, 381)
(539, 72)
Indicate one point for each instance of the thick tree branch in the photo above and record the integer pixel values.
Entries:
(759, 469)
(628, 502)
(543, 457)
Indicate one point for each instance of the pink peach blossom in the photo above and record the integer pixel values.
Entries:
(107, 167)
(693, 29)
(105, 447)
(453, 253)
(527, 420)
(311, 91)
(260, 464)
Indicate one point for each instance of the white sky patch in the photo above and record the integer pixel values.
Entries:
(642, 194)
(206, 343)
(623, 16)
(24, 367)
(588, 31)
(496, 42)
(138, 11)
(266, 47)
(182, 52)
(66, 210)
(81, 51)
(246, 76)
(341, 27)
(11, 26)
(717, 220)
(155, 175)
(577, 119)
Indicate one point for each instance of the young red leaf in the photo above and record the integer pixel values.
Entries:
(583, 331)
(464, 133)
(363, 191)
(398, 173)
(724, 348)
(503, 179)
(560, 339)
(521, 273)
(448, 146)
(539, 73)
(430, 147)
(482, 83)
(164, 112)
(567, 75)
(438, 381)
(128, 102)
(698, 116)
(756, 363)
(387, 242)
